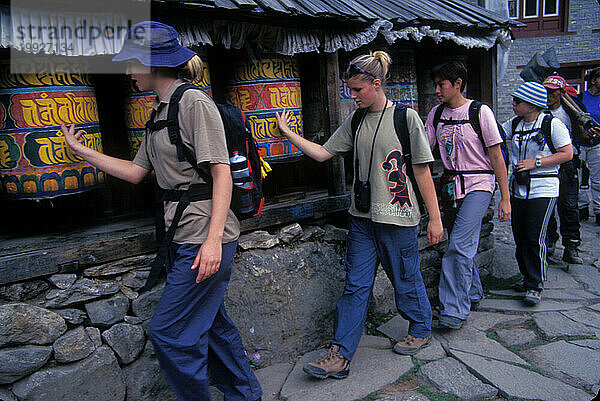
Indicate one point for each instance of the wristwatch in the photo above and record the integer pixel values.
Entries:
(538, 162)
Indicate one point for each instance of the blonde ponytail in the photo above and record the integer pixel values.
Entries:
(376, 63)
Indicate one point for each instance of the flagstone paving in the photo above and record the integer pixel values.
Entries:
(505, 351)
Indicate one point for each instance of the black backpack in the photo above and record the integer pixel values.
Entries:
(239, 139)
(474, 109)
(401, 128)
(545, 129)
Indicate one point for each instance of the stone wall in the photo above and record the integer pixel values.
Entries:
(578, 44)
(73, 337)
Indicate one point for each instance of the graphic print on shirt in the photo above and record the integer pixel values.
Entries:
(397, 177)
(448, 139)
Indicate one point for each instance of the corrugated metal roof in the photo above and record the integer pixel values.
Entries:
(434, 13)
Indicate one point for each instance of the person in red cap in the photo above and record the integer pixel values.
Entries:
(568, 212)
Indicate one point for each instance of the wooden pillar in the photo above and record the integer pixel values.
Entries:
(330, 98)
(488, 77)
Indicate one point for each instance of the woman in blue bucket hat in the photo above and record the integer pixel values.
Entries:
(190, 329)
(538, 144)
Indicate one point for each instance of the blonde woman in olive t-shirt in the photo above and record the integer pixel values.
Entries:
(386, 233)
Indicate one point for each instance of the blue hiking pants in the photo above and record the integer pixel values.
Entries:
(190, 331)
(397, 249)
(459, 279)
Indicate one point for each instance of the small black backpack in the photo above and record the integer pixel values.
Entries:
(239, 139)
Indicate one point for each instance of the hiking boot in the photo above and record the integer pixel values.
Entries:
(571, 256)
(532, 297)
(450, 322)
(411, 345)
(475, 305)
(584, 214)
(330, 364)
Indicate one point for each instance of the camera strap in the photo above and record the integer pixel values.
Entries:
(356, 167)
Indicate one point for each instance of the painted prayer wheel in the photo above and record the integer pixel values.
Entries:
(261, 88)
(139, 106)
(401, 87)
(427, 96)
(35, 162)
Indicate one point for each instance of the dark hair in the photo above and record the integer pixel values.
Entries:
(451, 70)
(593, 74)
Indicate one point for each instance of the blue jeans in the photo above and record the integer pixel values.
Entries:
(396, 248)
(459, 280)
(190, 331)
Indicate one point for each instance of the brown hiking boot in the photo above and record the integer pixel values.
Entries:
(330, 364)
(411, 345)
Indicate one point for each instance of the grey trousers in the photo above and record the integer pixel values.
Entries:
(459, 280)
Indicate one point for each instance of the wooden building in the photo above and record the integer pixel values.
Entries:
(316, 37)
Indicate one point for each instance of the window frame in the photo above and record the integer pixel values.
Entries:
(542, 24)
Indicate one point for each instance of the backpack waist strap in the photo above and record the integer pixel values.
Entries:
(462, 173)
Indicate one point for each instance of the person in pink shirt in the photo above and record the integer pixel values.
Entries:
(469, 142)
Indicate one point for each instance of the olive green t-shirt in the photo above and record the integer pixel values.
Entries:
(202, 130)
(393, 199)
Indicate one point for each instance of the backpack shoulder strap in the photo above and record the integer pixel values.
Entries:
(474, 109)
(357, 117)
(515, 123)
(401, 127)
(438, 116)
(547, 131)
(172, 121)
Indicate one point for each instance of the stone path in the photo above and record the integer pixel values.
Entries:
(505, 351)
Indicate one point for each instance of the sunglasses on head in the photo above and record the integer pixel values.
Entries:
(353, 70)
(516, 100)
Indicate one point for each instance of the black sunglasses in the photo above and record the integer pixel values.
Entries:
(516, 100)
(353, 70)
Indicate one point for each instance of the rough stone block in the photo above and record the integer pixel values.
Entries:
(74, 317)
(120, 266)
(516, 337)
(83, 290)
(290, 233)
(126, 340)
(450, 376)
(106, 312)
(63, 281)
(145, 382)
(143, 307)
(516, 382)
(27, 324)
(556, 324)
(17, 363)
(96, 378)
(73, 346)
(257, 240)
(19, 292)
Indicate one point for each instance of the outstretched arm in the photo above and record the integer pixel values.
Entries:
(435, 230)
(311, 149)
(123, 169)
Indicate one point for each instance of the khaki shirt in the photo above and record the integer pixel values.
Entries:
(201, 130)
(393, 199)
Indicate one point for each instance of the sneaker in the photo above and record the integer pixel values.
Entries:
(330, 364)
(450, 322)
(532, 297)
(584, 214)
(571, 256)
(411, 345)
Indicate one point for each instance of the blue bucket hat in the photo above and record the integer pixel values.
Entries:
(155, 45)
(534, 93)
